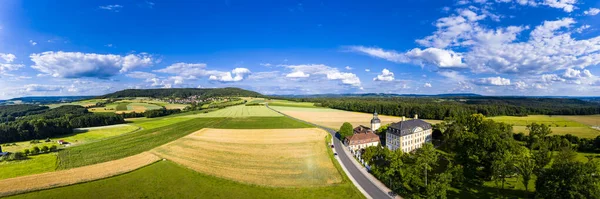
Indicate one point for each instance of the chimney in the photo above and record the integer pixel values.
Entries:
(416, 116)
(403, 118)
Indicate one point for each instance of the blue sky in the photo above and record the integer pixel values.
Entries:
(489, 47)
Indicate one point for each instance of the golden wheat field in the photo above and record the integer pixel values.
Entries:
(333, 118)
(77, 175)
(271, 157)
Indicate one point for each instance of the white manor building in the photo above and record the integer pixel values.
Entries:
(408, 135)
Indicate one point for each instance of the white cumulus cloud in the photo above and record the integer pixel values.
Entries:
(238, 75)
(592, 12)
(77, 64)
(385, 75)
(493, 81)
(297, 74)
(330, 73)
(438, 57)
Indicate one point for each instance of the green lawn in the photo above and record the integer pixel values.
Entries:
(553, 121)
(145, 105)
(121, 107)
(261, 123)
(291, 103)
(582, 132)
(166, 179)
(151, 123)
(77, 138)
(129, 144)
(34, 164)
(241, 111)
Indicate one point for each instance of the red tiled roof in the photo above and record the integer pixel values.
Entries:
(366, 137)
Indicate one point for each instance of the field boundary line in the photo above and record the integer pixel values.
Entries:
(22, 184)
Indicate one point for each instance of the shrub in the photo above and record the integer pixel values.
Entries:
(26, 151)
(17, 156)
(53, 148)
(45, 149)
(35, 150)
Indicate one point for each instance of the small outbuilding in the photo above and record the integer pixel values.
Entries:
(363, 137)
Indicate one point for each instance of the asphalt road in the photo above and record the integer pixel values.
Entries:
(360, 178)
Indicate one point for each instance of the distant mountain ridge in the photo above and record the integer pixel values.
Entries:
(43, 99)
(183, 93)
(381, 95)
(445, 95)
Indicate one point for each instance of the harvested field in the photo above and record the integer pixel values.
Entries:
(270, 157)
(22, 184)
(333, 118)
(590, 120)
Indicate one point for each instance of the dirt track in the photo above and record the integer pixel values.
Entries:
(29, 183)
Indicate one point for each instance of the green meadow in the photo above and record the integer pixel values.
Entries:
(32, 165)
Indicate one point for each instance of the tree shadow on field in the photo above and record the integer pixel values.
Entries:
(474, 191)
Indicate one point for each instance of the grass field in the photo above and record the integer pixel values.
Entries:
(176, 106)
(269, 157)
(77, 138)
(241, 111)
(333, 118)
(590, 120)
(583, 132)
(166, 179)
(138, 106)
(291, 103)
(260, 123)
(560, 125)
(129, 144)
(553, 121)
(33, 165)
(84, 103)
(77, 175)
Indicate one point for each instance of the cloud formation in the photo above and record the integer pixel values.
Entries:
(6, 64)
(113, 8)
(308, 70)
(194, 70)
(592, 12)
(77, 64)
(385, 75)
(493, 81)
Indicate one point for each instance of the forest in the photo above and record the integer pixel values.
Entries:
(183, 93)
(440, 108)
(10, 113)
(34, 123)
(475, 150)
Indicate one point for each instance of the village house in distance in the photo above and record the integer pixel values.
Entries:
(363, 136)
(408, 135)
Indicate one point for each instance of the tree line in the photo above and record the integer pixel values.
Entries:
(11, 112)
(151, 113)
(53, 122)
(440, 108)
